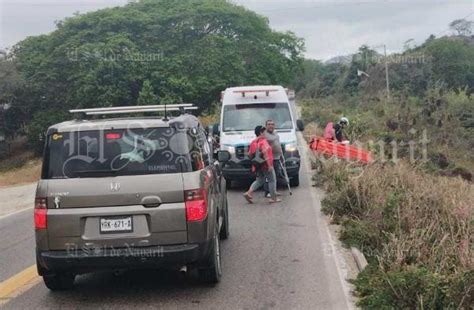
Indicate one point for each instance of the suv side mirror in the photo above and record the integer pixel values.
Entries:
(223, 156)
(216, 130)
(300, 125)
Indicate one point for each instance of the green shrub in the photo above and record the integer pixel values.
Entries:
(412, 288)
(362, 235)
(36, 129)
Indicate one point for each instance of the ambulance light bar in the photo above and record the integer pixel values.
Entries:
(253, 91)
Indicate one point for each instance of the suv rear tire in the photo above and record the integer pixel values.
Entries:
(59, 281)
(212, 271)
(224, 233)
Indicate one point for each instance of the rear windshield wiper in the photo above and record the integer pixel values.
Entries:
(85, 173)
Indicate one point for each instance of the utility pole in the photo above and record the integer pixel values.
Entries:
(386, 71)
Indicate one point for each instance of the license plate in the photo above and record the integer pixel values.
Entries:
(112, 225)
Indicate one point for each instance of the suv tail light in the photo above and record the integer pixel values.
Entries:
(41, 221)
(196, 205)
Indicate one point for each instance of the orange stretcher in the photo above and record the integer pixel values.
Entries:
(343, 151)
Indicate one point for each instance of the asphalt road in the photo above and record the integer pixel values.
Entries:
(17, 243)
(278, 256)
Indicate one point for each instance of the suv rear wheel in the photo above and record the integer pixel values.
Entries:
(59, 281)
(224, 233)
(212, 271)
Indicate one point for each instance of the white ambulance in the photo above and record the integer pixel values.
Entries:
(243, 108)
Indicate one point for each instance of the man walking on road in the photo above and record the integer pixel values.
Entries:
(262, 163)
(274, 140)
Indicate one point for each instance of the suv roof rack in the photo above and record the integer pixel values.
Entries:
(182, 107)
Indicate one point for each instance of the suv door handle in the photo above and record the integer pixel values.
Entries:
(151, 201)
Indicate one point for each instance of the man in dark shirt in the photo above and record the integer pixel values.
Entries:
(335, 131)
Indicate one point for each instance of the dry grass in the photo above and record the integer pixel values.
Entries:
(433, 215)
(402, 219)
(19, 172)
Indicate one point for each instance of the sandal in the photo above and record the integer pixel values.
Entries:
(248, 198)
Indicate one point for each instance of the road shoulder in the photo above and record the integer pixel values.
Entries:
(343, 258)
(16, 198)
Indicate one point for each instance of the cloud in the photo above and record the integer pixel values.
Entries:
(329, 27)
(341, 27)
(22, 18)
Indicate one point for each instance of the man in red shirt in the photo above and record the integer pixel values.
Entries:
(261, 154)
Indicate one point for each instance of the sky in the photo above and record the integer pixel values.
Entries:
(330, 27)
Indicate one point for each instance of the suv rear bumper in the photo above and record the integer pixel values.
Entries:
(88, 260)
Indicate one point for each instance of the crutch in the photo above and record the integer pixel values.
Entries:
(287, 179)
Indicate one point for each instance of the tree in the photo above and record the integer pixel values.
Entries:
(363, 60)
(446, 63)
(147, 95)
(309, 75)
(407, 45)
(11, 79)
(318, 80)
(431, 38)
(189, 50)
(12, 86)
(452, 62)
(462, 27)
(36, 129)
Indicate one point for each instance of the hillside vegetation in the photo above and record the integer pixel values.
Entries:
(412, 211)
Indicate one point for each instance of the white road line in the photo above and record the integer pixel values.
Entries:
(16, 212)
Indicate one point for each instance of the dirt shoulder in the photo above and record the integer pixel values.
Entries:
(18, 176)
(27, 173)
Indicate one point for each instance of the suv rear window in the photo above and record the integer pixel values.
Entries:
(102, 153)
